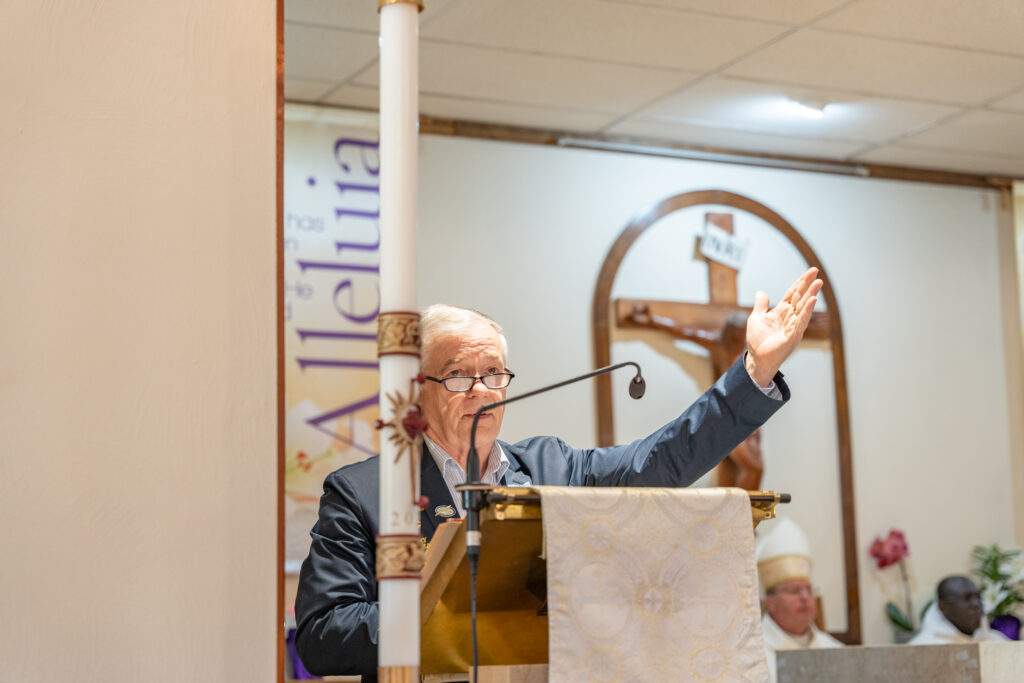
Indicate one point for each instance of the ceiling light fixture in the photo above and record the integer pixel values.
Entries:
(807, 107)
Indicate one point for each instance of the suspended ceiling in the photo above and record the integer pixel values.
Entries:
(935, 84)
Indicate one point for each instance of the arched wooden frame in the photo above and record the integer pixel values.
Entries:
(602, 356)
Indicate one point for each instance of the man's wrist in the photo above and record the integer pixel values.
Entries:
(762, 377)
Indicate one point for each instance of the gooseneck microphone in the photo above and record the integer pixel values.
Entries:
(473, 499)
(637, 388)
(474, 491)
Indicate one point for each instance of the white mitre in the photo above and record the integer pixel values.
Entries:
(783, 553)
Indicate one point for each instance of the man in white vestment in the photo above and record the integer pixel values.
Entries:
(784, 567)
(956, 616)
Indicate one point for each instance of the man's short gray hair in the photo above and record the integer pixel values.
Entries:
(443, 320)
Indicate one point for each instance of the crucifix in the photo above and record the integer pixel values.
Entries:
(720, 327)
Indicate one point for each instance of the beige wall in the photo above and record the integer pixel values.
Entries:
(137, 309)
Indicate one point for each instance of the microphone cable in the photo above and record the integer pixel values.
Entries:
(474, 560)
(473, 498)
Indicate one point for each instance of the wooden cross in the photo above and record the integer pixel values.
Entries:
(720, 327)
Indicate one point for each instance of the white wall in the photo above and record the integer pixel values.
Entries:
(520, 232)
(1011, 249)
(801, 442)
(137, 299)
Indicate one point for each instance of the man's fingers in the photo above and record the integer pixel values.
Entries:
(806, 312)
(812, 291)
(760, 302)
(791, 292)
(799, 288)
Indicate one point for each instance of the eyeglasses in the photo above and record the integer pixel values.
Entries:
(497, 380)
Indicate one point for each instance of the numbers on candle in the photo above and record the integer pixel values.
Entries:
(408, 518)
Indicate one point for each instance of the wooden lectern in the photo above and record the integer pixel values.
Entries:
(512, 623)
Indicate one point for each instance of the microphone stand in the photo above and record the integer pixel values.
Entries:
(474, 491)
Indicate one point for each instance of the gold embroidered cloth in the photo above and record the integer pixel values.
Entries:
(651, 585)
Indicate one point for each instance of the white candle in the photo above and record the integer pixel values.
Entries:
(399, 644)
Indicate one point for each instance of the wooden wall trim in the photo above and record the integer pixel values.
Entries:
(540, 136)
(601, 321)
(463, 128)
(279, 268)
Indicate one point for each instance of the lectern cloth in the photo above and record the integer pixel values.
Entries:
(651, 584)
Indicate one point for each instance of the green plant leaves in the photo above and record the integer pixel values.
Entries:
(897, 617)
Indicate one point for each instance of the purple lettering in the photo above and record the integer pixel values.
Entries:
(349, 314)
(326, 265)
(371, 215)
(364, 145)
(359, 188)
(362, 246)
(330, 334)
(318, 421)
(331, 363)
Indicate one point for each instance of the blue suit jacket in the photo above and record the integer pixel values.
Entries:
(336, 606)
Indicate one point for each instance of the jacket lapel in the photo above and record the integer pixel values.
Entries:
(515, 476)
(432, 486)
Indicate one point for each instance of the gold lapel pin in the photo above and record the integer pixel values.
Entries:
(444, 511)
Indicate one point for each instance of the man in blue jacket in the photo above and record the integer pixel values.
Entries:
(463, 358)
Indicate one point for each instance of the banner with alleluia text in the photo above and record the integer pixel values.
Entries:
(331, 279)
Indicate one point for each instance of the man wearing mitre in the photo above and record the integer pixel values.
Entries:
(784, 567)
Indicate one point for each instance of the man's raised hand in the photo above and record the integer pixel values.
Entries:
(772, 334)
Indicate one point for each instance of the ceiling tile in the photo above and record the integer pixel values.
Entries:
(326, 54)
(496, 76)
(883, 67)
(440, 106)
(770, 108)
(901, 155)
(364, 97)
(612, 32)
(979, 131)
(790, 12)
(354, 96)
(1014, 102)
(735, 140)
(305, 91)
(513, 115)
(352, 14)
(990, 25)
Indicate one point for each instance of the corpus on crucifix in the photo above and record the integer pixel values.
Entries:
(720, 327)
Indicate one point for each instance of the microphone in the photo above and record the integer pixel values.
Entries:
(637, 386)
(473, 485)
(474, 492)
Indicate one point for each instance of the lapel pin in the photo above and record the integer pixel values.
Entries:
(444, 511)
